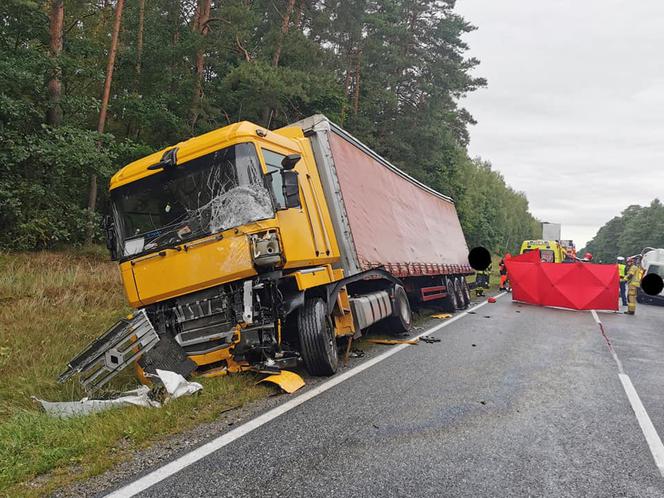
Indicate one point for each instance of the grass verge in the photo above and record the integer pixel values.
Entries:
(52, 305)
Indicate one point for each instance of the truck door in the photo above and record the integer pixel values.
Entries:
(306, 234)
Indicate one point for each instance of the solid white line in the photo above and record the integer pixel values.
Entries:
(652, 438)
(594, 313)
(197, 454)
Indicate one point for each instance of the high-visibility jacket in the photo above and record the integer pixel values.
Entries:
(621, 271)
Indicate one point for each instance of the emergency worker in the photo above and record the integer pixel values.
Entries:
(633, 277)
(482, 281)
(503, 273)
(623, 279)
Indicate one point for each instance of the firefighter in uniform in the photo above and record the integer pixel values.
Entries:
(633, 277)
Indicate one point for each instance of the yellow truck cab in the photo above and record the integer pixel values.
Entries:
(246, 248)
(550, 250)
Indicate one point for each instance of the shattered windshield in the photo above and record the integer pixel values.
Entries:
(203, 196)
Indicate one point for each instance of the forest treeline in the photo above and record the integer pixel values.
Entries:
(87, 86)
(636, 228)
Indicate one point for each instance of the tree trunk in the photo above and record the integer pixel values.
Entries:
(356, 93)
(201, 27)
(139, 39)
(101, 124)
(284, 31)
(174, 19)
(285, 22)
(299, 17)
(54, 112)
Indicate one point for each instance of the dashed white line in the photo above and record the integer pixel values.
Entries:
(201, 452)
(648, 429)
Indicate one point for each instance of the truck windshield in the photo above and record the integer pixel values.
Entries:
(212, 193)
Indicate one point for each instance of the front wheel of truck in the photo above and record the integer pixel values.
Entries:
(318, 344)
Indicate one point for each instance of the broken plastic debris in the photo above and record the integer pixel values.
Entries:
(429, 339)
(174, 383)
(288, 381)
(441, 316)
(491, 300)
(390, 342)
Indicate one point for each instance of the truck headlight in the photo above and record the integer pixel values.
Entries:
(265, 248)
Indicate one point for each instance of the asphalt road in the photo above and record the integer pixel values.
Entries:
(515, 400)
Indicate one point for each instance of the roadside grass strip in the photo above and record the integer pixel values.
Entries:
(53, 304)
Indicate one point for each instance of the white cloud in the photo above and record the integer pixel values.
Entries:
(573, 113)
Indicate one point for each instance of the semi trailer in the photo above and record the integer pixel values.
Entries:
(250, 249)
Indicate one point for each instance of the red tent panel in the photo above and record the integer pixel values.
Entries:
(579, 286)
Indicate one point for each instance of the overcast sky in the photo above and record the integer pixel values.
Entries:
(573, 114)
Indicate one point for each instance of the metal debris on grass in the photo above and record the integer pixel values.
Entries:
(174, 384)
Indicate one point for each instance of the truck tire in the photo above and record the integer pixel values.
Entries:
(318, 344)
(459, 293)
(451, 302)
(465, 292)
(402, 318)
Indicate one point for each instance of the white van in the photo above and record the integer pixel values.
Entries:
(652, 262)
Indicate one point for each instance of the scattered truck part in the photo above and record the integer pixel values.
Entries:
(250, 249)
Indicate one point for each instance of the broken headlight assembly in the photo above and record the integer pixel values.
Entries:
(265, 248)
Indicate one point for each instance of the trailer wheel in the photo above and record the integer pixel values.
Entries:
(402, 317)
(461, 302)
(465, 291)
(318, 344)
(451, 302)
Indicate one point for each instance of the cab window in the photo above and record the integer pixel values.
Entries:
(273, 163)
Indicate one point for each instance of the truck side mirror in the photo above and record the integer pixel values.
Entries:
(290, 161)
(109, 229)
(291, 189)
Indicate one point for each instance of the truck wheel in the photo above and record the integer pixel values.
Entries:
(451, 302)
(465, 291)
(318, 344)
(402, 318)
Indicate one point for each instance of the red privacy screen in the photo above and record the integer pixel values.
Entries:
(579, 286)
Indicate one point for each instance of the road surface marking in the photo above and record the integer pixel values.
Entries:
(649, 431)
(201, 452)
(652, 438)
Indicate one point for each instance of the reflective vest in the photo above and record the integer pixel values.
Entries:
(621, 271)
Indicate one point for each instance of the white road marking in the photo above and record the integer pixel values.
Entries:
(649, 431)
(652, 438)
(201, 452)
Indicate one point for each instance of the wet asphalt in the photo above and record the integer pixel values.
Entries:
(515, 400)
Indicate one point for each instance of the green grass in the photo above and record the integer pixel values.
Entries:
(52, 304)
